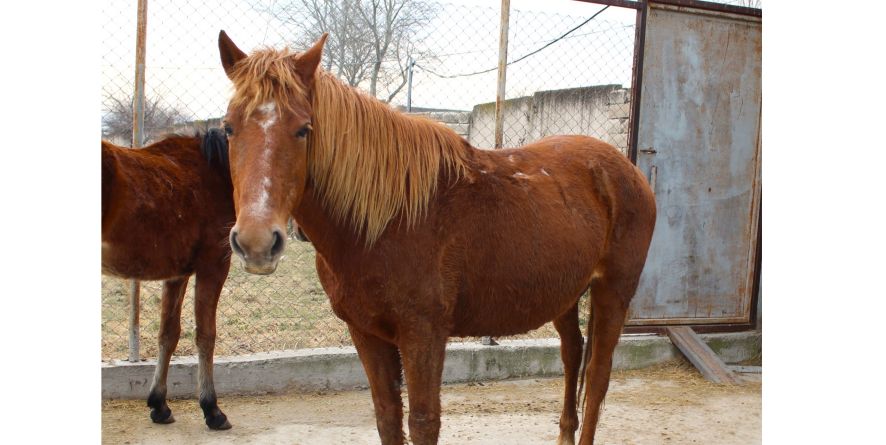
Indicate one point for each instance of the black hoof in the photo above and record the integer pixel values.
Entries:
(219, 422)
(162, 415)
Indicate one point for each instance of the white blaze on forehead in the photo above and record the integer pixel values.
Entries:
(267, 107)
(269, 115)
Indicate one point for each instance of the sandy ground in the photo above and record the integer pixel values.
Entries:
(669, 404)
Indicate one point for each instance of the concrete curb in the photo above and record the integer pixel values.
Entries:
(340, 369)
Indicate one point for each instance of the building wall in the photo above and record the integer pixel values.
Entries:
(601, 111)
(460, 121)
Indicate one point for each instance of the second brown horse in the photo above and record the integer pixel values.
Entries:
(166, 213)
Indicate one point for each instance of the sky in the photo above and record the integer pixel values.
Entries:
(183, 67)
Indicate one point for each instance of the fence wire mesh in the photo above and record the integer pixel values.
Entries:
(569, 72)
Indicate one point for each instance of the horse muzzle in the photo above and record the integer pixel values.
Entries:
(260, 251)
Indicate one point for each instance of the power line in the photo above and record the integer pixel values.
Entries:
(521, 58)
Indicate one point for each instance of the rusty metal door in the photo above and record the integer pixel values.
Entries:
(698, 141)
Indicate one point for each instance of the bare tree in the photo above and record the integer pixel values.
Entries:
(159, 118)
(369, 42)
(751, 3)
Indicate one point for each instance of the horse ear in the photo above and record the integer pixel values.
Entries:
(308, 61)
(229, 52)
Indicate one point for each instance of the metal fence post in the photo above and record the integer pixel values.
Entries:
(502, 72)
(138, 100)
(138, 123)
(134, 293)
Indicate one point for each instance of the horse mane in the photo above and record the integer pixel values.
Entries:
(370, 164)
(214, 146)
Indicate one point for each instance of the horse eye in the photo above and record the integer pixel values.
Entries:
(303, 131)
(228, 129)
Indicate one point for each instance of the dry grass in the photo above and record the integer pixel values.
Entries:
(286, 310)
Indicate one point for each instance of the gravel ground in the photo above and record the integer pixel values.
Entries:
(668, 404)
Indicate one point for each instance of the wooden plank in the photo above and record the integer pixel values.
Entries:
(701, 356)
(746, 369)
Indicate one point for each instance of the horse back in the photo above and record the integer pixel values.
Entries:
(563, 183)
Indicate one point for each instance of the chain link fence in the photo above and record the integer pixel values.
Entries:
(569, 71)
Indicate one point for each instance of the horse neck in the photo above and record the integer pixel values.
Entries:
(330, 236)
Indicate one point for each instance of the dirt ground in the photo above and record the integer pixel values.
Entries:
(668, 404)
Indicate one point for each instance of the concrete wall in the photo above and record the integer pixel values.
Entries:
(460, 121)
(601, 111)
(340, 368)
(516, 120)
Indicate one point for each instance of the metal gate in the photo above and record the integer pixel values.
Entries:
(697, 137)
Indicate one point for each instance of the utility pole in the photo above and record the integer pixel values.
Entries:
(410, 68)
(138, 139)
(502, 72)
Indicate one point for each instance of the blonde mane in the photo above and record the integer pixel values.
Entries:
(370, 164)
(266, 75)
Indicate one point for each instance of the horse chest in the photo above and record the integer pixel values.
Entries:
(363, 303)
(356, 304)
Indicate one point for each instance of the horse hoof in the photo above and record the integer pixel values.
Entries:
(162, 416)
(219, 422)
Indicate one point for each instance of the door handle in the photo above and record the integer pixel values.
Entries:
(649, 151)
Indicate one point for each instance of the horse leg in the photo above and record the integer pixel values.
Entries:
(170, 329)
(382, 364)
(208, 288)
(423, 353)
(610, 297)
(571, 343)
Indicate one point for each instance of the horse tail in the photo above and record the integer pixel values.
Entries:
(214, 147)
(585, 356)
(603, 189)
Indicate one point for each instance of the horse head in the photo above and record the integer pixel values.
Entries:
(268, 124)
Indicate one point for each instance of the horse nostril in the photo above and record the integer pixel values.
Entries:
(279, 243)
(235, 246)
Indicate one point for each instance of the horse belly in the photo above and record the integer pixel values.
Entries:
(517, 283)
(500, 317)
(142, 264)
(519, 306)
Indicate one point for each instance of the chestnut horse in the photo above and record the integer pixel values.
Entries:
(166, 213)
(420, 236)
